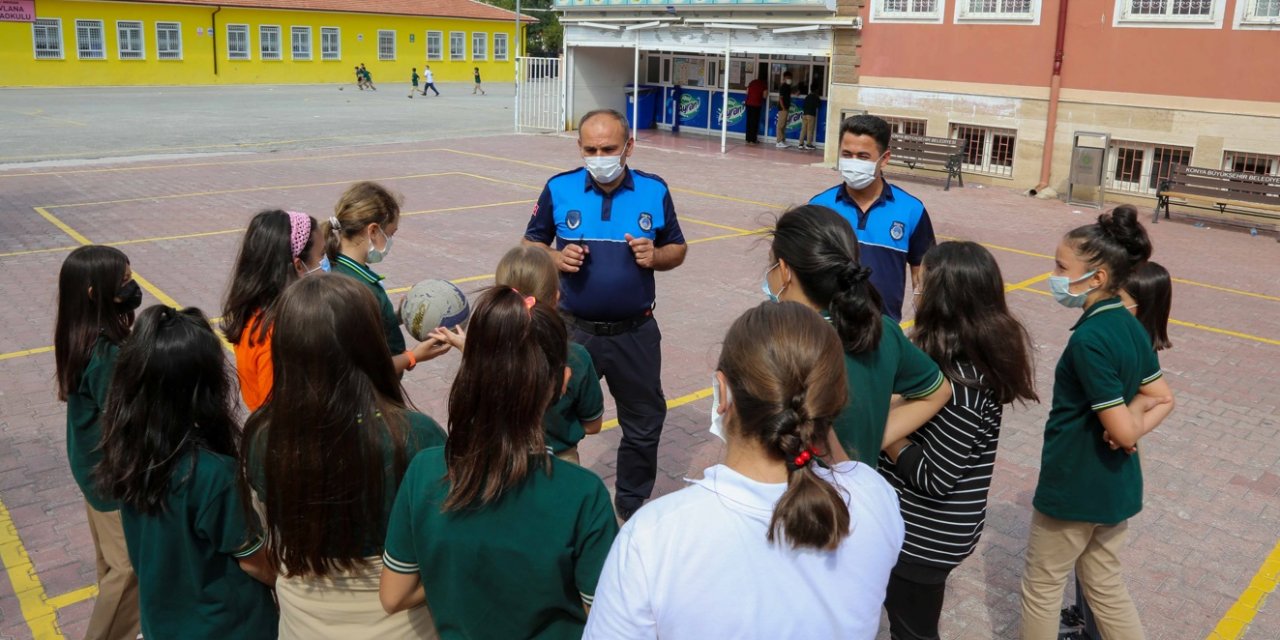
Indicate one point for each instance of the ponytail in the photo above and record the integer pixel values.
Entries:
(820, 247)
(362, 204)
(787, 390)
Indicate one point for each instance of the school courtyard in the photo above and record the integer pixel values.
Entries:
(172, 175)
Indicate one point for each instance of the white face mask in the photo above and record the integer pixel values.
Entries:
(376, 255)
(604, 169)
(717, 418)
(858, 173)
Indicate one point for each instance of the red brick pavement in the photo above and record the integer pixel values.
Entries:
(1212, 472)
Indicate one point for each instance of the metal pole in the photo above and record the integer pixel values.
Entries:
(724, 104)
(635, 89)
(516, 67)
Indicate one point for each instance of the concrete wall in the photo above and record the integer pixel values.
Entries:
(600, 76)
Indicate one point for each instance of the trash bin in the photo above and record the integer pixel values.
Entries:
(647, 107)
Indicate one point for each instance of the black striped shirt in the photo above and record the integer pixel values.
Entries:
(943, 477)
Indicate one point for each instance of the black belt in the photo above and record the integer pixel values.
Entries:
(606, 329)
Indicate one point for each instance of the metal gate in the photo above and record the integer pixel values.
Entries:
(540, 94)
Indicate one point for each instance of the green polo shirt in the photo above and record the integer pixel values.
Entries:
(520, 567)
(390, 319)
(84, 414)
(187, 558)
(1108, 358)
(424, 433)
(894, 366)
(582, 402)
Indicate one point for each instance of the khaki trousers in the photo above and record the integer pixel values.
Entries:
(1055, 546)
(115, 611)
(570, 455)
(809, 130)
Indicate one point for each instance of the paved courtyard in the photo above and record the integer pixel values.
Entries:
(1202, 556)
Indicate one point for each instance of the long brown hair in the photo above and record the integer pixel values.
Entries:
(88, 283)
(529, 270)
(361, 205)
(335, 406)
(785, 370)
(963, 317)
(512, 370)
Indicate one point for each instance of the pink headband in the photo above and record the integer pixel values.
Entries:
(299, 232)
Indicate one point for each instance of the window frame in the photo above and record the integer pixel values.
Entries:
(56, 23)
(248, 42)
(102, 37)
(1123, 19)
(481, 38)
(459, 50)
(1273, 159)
(336, 31)
(294, 30)
(506, 47)
(989, 133)
(141, 52)
(1246, 17)
(898, 124)
(439, 41)
(177, 30)
(879, 14)
(263, 29)
(1030, 18)
(1143, 186)
(392, 56)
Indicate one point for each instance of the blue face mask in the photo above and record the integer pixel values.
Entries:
(764, 285)
(1061, 288)
(323, 266)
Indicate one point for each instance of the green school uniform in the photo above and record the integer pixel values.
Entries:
(582, 402)
(390, 319)
(1108, 358)
(415, 78)
(84, 415)
(894, 366)
(189, 578)
(520, 567)
(424, 433)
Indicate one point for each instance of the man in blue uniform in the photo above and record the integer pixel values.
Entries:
(893, 227)
(609, 228)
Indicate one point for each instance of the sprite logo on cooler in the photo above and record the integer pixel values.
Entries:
(734, 113)
(689, 106)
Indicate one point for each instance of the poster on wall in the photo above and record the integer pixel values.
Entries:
(689, 72)
(17, 10)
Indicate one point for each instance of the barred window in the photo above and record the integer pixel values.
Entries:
(500, 45)
(330, 43)
(1138, 167)
(386, 45)
(457, 45)
(479, 46)
(987, 150)
(238, 42)
(300, 38)
(89, 43)
(269, 42)
(46, 34)
(168, 41)
(129, 40)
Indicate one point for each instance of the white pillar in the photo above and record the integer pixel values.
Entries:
(516, 60)
(724, 104)
(635, 88)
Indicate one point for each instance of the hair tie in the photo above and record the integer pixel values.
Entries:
(335, 224)
(802, 459)
(852, 275)
(529, 301)
(299, 232)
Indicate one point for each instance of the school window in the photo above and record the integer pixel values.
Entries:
(89, 44)
(986, 149)
(1254, 14)
(1201, 13)
(238, 42)
(479, 46)
(129, 40)
(269, 42)
(457, 45)
(386, 45)
(500, 45)
(330, 43)
(908, 10)
(435, 45)
(1138, 167)
(1257, 163)
(906, 126)
(168, 41)
(998, 11)
(301, 39)
(46, 34)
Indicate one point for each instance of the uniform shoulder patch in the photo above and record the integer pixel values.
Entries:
(646, 222)
(897, 230)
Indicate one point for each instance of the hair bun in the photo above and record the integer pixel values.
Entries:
(1121, 225)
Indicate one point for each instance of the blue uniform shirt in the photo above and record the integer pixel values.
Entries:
(894, 232)
(610, 285)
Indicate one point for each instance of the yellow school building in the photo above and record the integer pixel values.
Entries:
(205, 42)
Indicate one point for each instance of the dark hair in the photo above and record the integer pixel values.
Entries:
(786, 375)
(319, 439)
(171, 394)
(1152, 289)
(88, 284)
(821, 249)
(512, 370)
(263, 269)
(612, 113)
(963, 317)
(361, 205)
(1117, 242)
(868, 125)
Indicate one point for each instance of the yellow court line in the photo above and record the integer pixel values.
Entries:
(75, 235)
(1226, 289)
(72, 597)
(716, 225)
(224, 163)
(40, 616)
(738, 234)
(1237, 619)
(486, 276)
(25, 352)
(228, 145)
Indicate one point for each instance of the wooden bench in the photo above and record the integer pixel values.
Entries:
(1222, 189)
(914, 151)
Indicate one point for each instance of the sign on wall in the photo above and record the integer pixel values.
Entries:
(17, 10)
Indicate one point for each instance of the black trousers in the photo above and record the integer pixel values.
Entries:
(914, 601)
(753, 124)
(431, 86)
(632, 365)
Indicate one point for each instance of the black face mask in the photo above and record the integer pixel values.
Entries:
(129, 298)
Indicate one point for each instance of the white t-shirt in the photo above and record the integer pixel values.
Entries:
(696, 564)
(430, 76)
